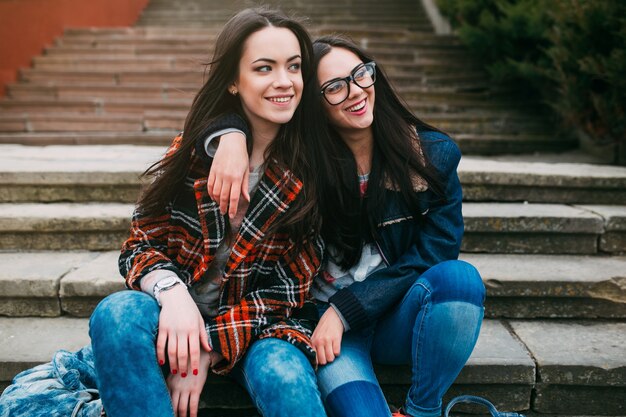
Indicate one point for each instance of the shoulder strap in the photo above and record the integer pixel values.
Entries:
(471, 399)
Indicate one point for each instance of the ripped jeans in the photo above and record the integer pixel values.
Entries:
(123, 331)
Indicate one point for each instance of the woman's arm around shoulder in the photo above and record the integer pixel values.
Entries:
(224, 148)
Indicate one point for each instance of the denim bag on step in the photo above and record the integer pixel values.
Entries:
(64, 387)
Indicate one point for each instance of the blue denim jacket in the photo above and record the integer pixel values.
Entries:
(407, 246)
(64, 387)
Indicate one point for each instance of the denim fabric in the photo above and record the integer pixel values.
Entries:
(280, 380)
(409, 244)
(64, 387)
(123, 330)
(434, 329)
(278, 376)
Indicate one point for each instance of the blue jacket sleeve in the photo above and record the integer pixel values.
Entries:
(439, 239)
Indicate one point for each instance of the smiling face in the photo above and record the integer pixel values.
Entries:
(356, 113)
(269, 82)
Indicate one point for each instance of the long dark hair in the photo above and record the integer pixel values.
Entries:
(290, 148)
(397, 161)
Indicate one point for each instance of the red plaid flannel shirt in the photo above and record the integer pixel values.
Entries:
(264, 291)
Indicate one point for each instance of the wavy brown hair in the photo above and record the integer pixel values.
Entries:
(291, 147)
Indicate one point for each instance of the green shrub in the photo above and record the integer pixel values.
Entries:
(508, 36)
(570, 53)
(588, 66)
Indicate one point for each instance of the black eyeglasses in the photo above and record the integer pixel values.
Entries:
(337, 91)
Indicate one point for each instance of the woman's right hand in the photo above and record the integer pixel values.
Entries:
(181, 329)
(228, 177)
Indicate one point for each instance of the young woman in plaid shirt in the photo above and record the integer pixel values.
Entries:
(216, 292)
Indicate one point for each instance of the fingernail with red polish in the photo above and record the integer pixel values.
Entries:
(161, 362)
(174, 371)
(184, 375)
(195, 372)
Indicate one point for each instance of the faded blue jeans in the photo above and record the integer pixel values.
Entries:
(434, 329)
(123, 331)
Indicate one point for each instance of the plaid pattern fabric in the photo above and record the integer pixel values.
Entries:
(264, 291)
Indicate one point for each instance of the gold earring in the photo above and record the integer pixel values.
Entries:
(233, 91)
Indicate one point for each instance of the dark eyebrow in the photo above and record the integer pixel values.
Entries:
(272, 61)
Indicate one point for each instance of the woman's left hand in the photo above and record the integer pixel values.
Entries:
(185, 392)
(327, 336)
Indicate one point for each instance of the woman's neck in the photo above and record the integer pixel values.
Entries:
(262, 136)
(361, 143)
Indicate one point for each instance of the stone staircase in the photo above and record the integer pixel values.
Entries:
(547, 230)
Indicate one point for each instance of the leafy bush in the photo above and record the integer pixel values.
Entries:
(571, 53)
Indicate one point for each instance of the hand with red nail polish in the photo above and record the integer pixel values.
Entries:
(185, 392)
(181, 331)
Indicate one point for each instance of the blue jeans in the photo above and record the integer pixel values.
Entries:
(434, 329)
(123, 330)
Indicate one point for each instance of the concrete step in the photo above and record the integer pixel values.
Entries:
(505, 143)
(553, 180)
(93, 91)
(154, 138)
(163, 37)
(489, 227)
(519, 365)
(92, 105)
(110, 173)
(68, 122)
(74, 173)
(38, 76)
(51, 284)
(541, 228)
(577, 374)
(391, 22)
(552, 286)
(64, 226)
(87, 63)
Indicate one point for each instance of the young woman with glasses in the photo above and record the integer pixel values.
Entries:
(392, 290)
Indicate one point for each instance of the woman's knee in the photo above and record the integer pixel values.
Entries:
(278, 361)
(124, 312)
(280, 379)
(455, 280)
